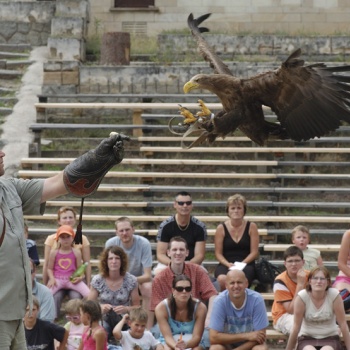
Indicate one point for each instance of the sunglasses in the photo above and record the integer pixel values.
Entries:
(183, 203)
(73, 318)
(181, 289)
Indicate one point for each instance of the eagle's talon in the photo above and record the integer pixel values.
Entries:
(205, 111)
(189, 117)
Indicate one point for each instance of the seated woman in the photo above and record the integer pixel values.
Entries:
(114, 287)
(317, 311)
(236, 240)
(181, 318)
(342, 281)
(66, 216)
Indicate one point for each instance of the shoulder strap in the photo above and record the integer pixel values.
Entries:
(3, 229)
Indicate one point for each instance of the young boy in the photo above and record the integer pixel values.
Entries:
(301, 238)
(286, 287)
(41, 334)
(136, 337)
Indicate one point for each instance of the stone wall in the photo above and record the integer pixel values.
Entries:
(26, 22)
(291, 17)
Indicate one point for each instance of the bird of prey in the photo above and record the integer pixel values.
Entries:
(308, 100)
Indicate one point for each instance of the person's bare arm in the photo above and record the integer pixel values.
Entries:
(319, 261)
(162, 257)
(146, 277)
(162, 319)
(298, 319)
(117, 330)
(51, 278)
(210, 308)
(254, 244)
(343, 254)
(199, 253)
(250, 338)
(53, 187)
(198, 328)
(100, 339)
(63, 343)
(338, 308)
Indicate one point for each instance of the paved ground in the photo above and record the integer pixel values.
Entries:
(15, 134)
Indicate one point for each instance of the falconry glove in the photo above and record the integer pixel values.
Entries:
(83, 176)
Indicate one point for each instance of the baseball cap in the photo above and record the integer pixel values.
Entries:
(64, 229)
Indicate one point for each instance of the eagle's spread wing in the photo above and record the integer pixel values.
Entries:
(208, 54)
(309, 101)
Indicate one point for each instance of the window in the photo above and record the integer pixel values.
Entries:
(134, 3)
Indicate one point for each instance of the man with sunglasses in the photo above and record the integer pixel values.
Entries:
(286, 287)
(184, 225)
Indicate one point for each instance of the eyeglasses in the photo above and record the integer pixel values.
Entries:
(183, 203)
(296, 261)
(321, 279)
(73, 318)
(181, 289)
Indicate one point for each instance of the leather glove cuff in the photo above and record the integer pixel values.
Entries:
(83, 176)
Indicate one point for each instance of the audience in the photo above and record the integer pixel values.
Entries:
(236, 240)
(139, 252)
(342, 281)
(63, 262)
(239, 317)
(74, 326)
(182, 224)
(47, 311)
(301, 239)
(318, 310)
(94, 336)
(41, 334)
(114, 287)
(286, 288)
(181, 318)
(137, 336)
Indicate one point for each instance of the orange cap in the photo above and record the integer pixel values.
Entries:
(65, 229)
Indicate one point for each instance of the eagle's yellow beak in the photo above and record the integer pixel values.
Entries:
(190, 85)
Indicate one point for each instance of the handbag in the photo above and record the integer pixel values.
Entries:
(265, 271)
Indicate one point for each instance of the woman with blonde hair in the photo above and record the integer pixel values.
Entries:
(318, 310)
(236, 240)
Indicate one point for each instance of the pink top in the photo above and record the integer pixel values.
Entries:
(89, 341)
(65, 264)
(75, 335)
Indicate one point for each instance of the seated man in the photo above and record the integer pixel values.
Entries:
(239, 317)
(43, 294)
(202, 288)
(139, 253)
(286, 288)
(184, 225)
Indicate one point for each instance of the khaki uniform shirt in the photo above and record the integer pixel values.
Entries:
(17, 197)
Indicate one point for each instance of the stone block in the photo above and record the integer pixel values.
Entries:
(70, 78)
(70, 66)
(66, 49)
(69, 8)
(52, 78)
(52, 66)
(59, 89)
(70, 27)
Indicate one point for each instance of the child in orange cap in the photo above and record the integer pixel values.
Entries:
(63, 261)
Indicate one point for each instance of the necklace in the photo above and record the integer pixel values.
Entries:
(181, 227)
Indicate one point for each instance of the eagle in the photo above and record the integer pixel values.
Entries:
(308, 100)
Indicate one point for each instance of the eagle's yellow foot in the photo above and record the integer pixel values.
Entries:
(205, 111)
(189, 117)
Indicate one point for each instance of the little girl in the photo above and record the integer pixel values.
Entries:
(74, 325)
(63, 261)
(94, 336)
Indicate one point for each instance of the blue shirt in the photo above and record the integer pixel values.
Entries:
(252, 316)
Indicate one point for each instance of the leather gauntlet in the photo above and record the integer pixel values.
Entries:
(83, 176)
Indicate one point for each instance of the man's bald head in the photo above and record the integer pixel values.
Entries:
(236, 273)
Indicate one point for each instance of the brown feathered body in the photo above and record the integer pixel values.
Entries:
(309, 101)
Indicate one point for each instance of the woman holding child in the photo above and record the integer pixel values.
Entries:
(317, 310)
(181, 318)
